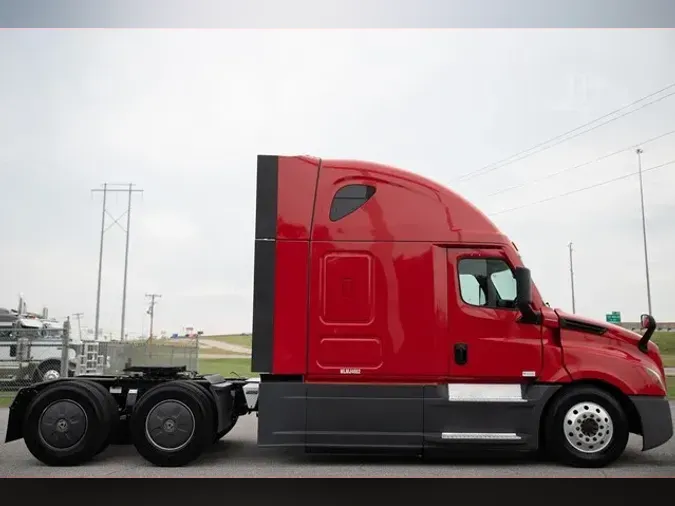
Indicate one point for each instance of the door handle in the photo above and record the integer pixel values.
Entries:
(461, 353)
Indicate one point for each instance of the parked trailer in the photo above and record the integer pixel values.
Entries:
(30, 349)
(389, 314)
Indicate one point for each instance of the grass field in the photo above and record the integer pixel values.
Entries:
(226, 366)
(236, 339)
(666, 342)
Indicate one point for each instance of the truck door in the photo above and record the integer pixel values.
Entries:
(486, 339)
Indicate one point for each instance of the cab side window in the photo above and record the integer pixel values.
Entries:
(487, 282)
(348, 199)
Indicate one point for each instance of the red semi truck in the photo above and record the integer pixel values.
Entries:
(389, 314)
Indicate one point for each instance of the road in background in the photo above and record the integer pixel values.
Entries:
(237, 455)
(223, 347)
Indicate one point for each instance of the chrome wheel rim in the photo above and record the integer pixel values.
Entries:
(588, 427)
(51, 374)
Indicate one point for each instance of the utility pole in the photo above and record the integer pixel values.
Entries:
(126, 264)
(639, 151)
(129, 189)
(79, 323)
(100, 264)
(574, 309)
(151, 310)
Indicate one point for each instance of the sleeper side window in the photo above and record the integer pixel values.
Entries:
(348, 199)
(487, 282)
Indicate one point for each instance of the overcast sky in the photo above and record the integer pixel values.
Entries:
(183, 114)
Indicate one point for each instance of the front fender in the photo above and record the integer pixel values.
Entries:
(629, 373)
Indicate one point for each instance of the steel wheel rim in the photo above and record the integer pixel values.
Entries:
(170, 425)
(51, 374)
(588, 427)
(62, 424)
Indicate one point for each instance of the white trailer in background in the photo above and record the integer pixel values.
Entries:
(190, 331)
(31, 348)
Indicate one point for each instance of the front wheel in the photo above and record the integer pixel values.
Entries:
(47, 371)
(586, 427)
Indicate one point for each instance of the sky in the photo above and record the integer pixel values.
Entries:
(182, 114)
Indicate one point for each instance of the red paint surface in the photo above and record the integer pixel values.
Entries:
(290, 319)
(613, 358)
(377, 291)
(500, 348)
(295, 201)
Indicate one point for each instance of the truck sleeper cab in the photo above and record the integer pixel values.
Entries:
(389, 314)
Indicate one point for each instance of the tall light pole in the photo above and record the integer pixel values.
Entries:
(574, 309)
(639, 152)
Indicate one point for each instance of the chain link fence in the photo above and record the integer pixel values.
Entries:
(32, 354)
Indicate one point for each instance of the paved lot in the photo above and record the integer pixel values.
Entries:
(237, 455)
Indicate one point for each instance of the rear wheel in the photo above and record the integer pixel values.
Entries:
(112, 414)
(65, 424)
(586, 427)
(172, 424)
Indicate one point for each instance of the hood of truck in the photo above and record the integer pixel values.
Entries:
(607, 330)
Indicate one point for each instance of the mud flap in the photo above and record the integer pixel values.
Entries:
(656, 420)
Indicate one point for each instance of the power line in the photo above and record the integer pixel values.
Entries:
(596, 185)
(470, 176)
(590, 162)
(563, 137)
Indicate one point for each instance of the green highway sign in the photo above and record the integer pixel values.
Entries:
(613, 317)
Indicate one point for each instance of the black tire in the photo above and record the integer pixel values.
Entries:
(586, 427)
(179, 437)
(225, 431)
(46, 369)
(67, 407)
(111, 409)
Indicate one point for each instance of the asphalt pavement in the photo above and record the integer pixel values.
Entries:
(238, 456)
